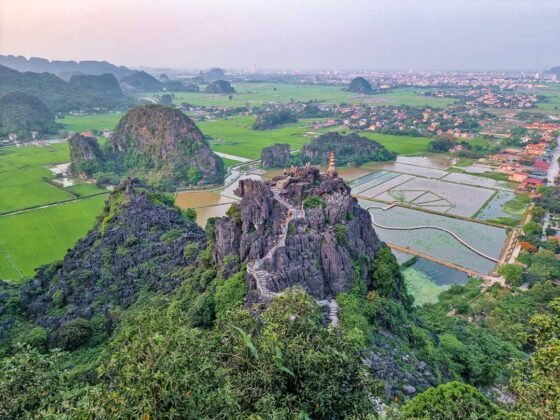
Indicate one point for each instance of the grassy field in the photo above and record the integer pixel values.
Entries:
(421, 287)
(552, 102)
(254, 94)
(37, 237)
(403, 145)
(235, 136)
(80, 123)
(24, 176)
(229, 162)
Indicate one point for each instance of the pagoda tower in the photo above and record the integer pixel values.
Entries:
(332, 168)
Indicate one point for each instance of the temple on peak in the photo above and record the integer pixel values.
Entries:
(331, 170)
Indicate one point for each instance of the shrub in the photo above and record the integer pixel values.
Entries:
(36, 338)
(512, 273)
(313, 202)
(28, 380)
(340, 234)
(74, 333)
(58, 299)
(230, 294)
(190, 214)
(234, 212)
(171, 235)
(190, 250)
(453, 400)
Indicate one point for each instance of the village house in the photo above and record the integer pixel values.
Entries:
(538, 149)
(530, 184)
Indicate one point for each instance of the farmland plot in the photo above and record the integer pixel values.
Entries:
(487, 239)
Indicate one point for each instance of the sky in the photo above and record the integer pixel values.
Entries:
(288, 34)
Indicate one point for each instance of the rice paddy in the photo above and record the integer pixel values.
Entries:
(41, 236)
(34, 229)
(438, 244)
(255, 94)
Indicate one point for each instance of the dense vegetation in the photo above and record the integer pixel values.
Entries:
(105, 84)
(57, 94)
(219, 86)
(22, 114)
(139, 320)
(360, 85)
(158, 144)
(274, 119)
(349, 149)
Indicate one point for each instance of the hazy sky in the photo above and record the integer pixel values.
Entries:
(343, 34)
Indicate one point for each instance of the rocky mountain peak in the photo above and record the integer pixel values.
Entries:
(140, 243)
(300, 229)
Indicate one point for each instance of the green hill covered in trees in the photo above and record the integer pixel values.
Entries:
(23, 114)
(158, 144)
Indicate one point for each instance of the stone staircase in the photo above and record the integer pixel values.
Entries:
(255, 268)
(263, 277)
(331, 306)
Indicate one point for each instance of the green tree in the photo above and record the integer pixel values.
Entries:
(193, 175)
(512, 273)
(532, 228)
(453, 400)
(29, 380)
(538, 213)
(74, 333)
(544, 266)
(190, 214)
(536, 382)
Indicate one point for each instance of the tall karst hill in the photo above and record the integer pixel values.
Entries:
(302, 229)
(138, 244)
(158, 144)
(58, 94)
(360, 85)
(22, 114)
(105, 84)
(349, 149)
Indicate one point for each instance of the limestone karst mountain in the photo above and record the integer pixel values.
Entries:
(160, 145)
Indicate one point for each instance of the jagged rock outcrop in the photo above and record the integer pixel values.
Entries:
(138, 244)
(220, 86)
(104, 84)
(302, 229)
(360, 85)
(83, 151)
(403, 371)
(162, 144)
(349, 149)
(21, 113)
(276, 156)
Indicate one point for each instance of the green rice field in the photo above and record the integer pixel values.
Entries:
(254, 94)
(235, 136)
(24, 176)
(80, 123)
(40, 236)
(403, 145)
